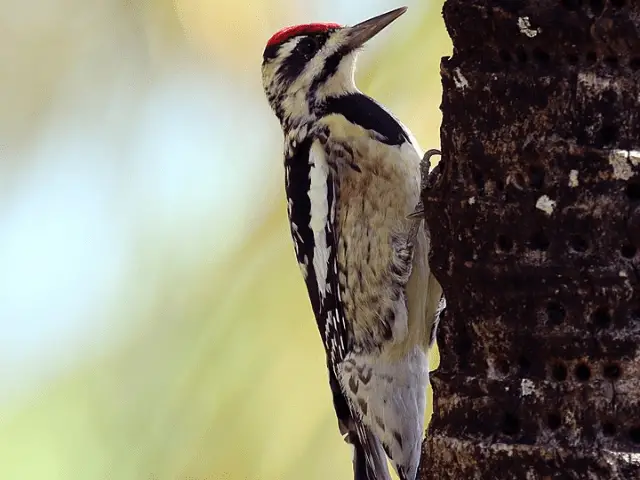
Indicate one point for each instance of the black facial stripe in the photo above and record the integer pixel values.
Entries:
(294, 64)
(330, 68)
(366, 112)
(304, 51)
(270, 52)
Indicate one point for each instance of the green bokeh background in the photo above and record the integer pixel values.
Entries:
(204, 362)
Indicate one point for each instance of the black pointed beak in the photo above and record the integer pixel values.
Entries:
(363, 31)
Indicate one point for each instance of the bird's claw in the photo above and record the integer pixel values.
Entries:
(430, 153)
(424, 164)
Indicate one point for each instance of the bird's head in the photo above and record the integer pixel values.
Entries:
(305, 64)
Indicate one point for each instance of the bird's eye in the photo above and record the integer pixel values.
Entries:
(307, 46)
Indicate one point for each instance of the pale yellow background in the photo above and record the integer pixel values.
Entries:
(153, 322)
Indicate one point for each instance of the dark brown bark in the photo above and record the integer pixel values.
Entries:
(534, 214)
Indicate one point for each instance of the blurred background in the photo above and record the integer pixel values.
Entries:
(153, 321)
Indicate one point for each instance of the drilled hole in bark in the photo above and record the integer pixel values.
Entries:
(524, 364)
(510, 424)
(556, 312)
(610, 96)
(597, 6)
(463, 346)
(601, 318)
(611, 61)
(628, 251)
(572, 4)
(581, 137)
(608, 429)
(521, 54)
(539, 241)
(466, 252)
(536, 176)
(504, 243)
(578, 243)
(541, 56)
(499, 185)
(505, 56)
(634, 63)
(634, 433)
(633, 191)
(617, 3)
(582, 372)
(559, 372)
(554, 421)
(572, 59)
(478, 179)
(635, 315)
(611, 371)
(591, 58)
(503, 367)
(608, 134)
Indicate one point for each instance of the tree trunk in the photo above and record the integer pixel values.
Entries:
(534, 213)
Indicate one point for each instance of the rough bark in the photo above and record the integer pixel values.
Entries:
(534, 213)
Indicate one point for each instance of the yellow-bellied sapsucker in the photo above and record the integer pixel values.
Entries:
(352, 174)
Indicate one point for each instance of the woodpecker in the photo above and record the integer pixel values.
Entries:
(352, 180)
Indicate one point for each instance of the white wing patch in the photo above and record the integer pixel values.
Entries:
(318, 195)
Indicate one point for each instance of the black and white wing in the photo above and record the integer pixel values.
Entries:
(311, 195)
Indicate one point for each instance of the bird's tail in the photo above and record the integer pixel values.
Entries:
(369, 459)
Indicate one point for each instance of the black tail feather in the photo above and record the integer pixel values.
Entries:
(369, 459)
(360, 469)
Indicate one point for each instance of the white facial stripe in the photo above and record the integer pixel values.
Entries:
(319, 174)
(286, 49)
